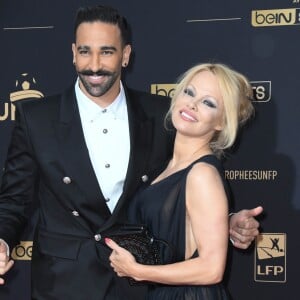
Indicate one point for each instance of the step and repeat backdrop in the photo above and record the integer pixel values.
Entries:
(259, 38)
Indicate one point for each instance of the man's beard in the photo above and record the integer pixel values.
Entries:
(97, 90)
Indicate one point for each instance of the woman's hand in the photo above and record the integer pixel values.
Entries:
(121, 260)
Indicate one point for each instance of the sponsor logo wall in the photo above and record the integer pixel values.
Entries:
(259, 38)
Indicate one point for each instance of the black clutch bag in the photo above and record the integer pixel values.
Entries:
(140, 242)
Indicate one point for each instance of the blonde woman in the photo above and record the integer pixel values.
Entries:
(187, 204)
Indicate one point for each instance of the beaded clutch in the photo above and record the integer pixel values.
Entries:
(140, 242)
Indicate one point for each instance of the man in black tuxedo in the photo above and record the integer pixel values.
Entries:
(83, 154)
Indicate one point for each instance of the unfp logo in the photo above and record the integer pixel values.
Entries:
(275, 17)
(270, 257)
(24, 89)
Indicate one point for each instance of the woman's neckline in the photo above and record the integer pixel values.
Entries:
(156, 180)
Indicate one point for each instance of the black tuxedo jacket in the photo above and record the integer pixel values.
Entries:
(48, 161)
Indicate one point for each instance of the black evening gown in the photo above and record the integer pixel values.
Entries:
(162, 207)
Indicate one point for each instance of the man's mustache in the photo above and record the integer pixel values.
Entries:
(97, 73)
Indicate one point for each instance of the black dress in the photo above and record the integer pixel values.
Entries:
(162, 207)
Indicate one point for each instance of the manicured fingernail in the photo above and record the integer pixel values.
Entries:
(107, 240)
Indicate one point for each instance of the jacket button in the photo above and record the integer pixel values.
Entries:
(67, 180)
(97, 237)
(144, 178)
(75, 213)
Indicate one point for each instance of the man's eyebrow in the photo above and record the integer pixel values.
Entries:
(82, 47)
(108, 48)
(103, 48)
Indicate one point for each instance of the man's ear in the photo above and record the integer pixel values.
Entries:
(74, 53)
(126, 55)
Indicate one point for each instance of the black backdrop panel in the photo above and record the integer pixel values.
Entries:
(259, 38)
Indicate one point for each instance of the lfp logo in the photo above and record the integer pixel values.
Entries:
(270, 257)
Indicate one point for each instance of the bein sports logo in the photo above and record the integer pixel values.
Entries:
(161, 89)
(23, 251)
(261, 90)
(270, 257)
(275, 17)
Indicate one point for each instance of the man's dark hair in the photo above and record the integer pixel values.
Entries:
(105, 14)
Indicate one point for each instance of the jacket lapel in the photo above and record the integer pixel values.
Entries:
(89, 199)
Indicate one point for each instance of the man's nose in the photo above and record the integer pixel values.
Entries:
(95, 63)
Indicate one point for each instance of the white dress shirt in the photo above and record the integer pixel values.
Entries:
(106, 133)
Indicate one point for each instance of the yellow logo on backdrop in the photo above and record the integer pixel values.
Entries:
(163, 89)
(24, 90)
(270, 257)
(261, 90)
(23, 251)
(275, 17)
(24, 85)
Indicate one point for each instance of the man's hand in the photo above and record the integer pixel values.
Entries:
(243, 227)
(5, 262)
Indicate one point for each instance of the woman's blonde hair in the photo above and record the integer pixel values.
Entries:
(237, 94)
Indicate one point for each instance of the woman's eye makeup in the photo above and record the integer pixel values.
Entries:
(205, 100)
(189, 92)
(209, 103)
